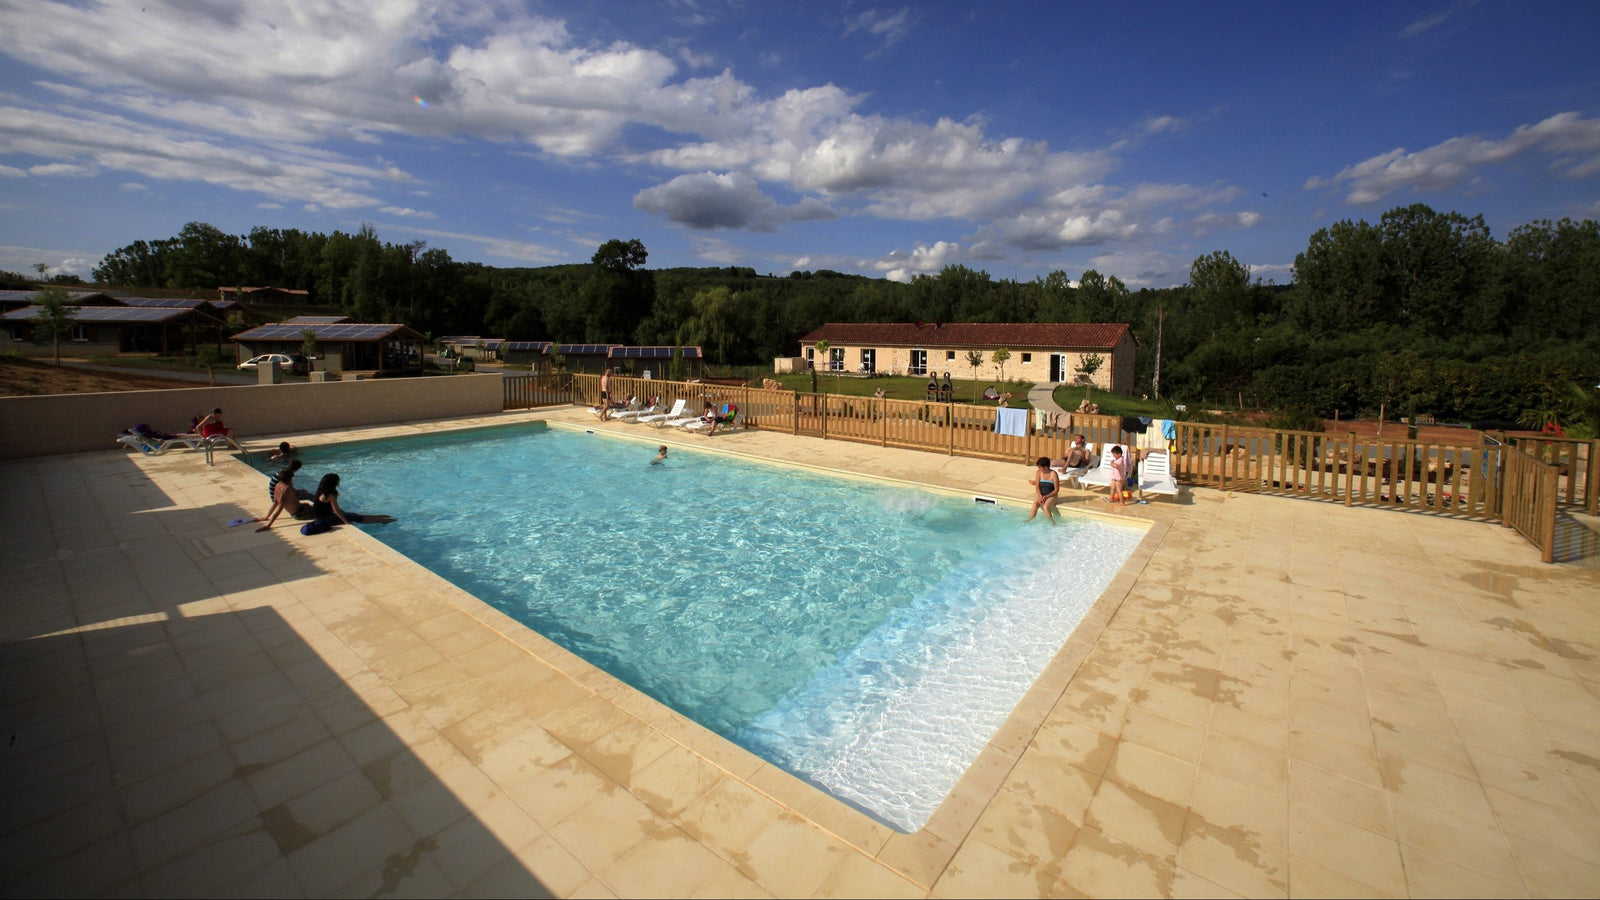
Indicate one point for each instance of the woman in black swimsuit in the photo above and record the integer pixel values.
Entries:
(326, 512)
(1047, 490)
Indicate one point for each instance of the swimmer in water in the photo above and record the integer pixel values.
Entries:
(661, 455)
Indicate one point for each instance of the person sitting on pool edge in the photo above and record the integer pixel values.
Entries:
(326, 512)
(285, 498)
(1046, 490)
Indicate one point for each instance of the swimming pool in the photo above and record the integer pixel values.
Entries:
(869, 638)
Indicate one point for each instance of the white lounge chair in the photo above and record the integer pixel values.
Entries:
(1102, 475)
(1155, 475)
(630, 415)
(154, 446)
(723, 424)
(681, 420)
(673, 413)
(599, 411)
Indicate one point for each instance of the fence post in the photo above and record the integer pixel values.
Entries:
(1226, 456)
(1350, 469)
(1590, 485)
(950, 424)
(797, 413)
(884, 420)
(1552, 477)
(824, 415)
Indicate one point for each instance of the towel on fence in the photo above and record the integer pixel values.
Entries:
(1169, 429)
(1133, 425)
(1012, 421)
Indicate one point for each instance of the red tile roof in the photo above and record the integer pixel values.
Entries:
(1012, 335)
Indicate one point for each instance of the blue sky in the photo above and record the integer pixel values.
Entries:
(888, 140)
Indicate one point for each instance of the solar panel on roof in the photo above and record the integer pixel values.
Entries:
(158, 301)
(314, 320)
(540, 346)
(108, 314)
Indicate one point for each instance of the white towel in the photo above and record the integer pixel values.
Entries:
(1008, 420)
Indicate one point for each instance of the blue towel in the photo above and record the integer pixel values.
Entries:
(1169, 429)
(1011, 421)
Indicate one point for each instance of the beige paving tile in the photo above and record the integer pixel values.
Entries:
(674, 780)
(1346, 849)
(605, 828)
(1433, 876)
(859, 876)
(1245, 762)
(1134, 817)
(1176, 739)
(1358, 762)
(1548, 872)
(1033, 832)
(1102, 866)
(668, 863)
(921, 857)
(1235, 858)
(1307, 879)
(982, 870)
(1074, 743)
(1218, 802)
(790, 856)
(1477, 846)
(1342, 798)
(1572, 832)
(728, 816)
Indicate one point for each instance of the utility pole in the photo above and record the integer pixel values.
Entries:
(1161, 321)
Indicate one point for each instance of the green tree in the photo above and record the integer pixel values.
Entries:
(1089, 364)
(1220, 293)
(821, 355)
(54, 317)
(308, 345)
(974, 359)
(1001, 357)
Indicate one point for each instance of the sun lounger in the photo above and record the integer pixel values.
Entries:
(155, 446)
(616, 411)
(632, 415)
(1155, 475)
(676, 411)
(1102, 475)
(725, 422)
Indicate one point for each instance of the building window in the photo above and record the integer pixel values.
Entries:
(80, 332)
(869, 361)
(919, 363)
(811, 354)
(836, 359)
(949, 356)
(1027, 357)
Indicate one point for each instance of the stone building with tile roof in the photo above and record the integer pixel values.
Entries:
(1040, 351)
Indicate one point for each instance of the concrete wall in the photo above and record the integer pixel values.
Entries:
(71, 423)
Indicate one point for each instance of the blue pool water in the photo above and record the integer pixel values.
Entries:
(868, 638)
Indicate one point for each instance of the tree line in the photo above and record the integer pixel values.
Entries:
(1422, 312)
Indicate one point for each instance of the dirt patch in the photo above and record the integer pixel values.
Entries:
(1367, 429)
(27, 378)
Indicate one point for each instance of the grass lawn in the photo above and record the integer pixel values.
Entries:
(1068, 397)
(898, 387)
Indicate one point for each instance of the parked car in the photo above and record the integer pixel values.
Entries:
(299, 365)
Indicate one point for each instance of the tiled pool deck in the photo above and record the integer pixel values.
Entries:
(1276, 697)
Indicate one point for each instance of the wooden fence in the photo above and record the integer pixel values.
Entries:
(530, 391)
(1531, 489)
(1460, 479)
(1517, 482)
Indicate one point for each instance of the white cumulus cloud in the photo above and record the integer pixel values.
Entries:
(1572, 142)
